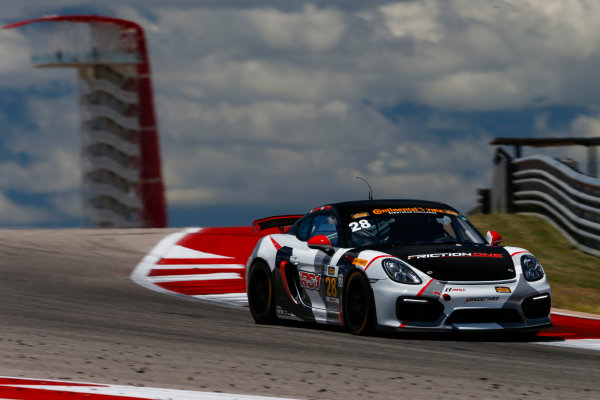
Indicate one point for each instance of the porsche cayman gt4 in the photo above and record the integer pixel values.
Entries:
(397, 264)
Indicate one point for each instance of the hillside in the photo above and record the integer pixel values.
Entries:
(573, 274)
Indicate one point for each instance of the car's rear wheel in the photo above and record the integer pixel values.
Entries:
(261, 293)
(358, 307)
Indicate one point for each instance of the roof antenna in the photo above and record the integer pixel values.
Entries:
(370, 191)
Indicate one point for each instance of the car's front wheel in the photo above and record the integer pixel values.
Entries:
(261, 293)
(358, 306)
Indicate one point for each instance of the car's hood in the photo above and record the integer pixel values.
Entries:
(465, 263)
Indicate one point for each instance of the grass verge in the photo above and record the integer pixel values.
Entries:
(573, 274)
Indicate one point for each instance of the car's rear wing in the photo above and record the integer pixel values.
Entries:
(278, 221)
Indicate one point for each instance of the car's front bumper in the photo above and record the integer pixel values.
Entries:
(472, 306)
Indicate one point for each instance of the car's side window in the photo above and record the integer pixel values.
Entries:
(325, 224)
(304, 229)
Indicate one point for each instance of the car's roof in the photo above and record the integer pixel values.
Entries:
(349, 206)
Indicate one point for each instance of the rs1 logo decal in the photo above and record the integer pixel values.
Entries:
(310, 281)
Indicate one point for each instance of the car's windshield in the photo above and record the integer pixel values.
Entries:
(381, 226)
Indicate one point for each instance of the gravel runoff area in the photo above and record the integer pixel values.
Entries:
(69, 311)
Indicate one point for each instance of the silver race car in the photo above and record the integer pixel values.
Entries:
(399, 264)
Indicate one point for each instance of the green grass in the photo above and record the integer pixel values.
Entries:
(573, 274)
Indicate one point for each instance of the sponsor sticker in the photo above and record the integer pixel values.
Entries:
(340, 280)
(360, 261)
(471, 299)
(332, 300)
(411, 210)
(331, 271)
(454, 289)
(310, 281)
(360, 215)
(502, 289)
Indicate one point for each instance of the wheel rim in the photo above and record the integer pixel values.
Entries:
(259, 291)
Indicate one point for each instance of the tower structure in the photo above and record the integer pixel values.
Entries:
(121, 168)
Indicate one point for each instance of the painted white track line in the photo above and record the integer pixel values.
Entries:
(587, 344)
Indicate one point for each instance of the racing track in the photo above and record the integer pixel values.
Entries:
(70, 311)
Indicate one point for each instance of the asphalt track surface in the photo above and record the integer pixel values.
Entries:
(69, 311)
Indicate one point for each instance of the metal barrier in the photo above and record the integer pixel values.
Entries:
(547, 187)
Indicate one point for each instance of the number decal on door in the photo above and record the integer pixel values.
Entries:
(331, 283)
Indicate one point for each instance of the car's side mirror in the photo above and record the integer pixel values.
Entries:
(493, 238)
(321, 242)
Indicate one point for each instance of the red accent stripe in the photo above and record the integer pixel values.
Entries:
(217, 286)
(320, 208)
(192, 271)
(518, 252)
(425, 287)
(284, 280)
(277, 245)
(195, 261)
(402, 324)
(286, 216)
(371, 262)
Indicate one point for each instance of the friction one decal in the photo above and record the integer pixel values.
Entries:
(438, 255)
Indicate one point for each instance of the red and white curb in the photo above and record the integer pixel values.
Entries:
(573, 331)
(33, 389)
(209, 265)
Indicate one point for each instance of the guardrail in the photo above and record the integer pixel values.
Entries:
(566, 198)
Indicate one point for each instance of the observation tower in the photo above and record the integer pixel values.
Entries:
(122, 182)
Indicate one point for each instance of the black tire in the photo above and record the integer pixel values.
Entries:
(261, 293)
(358, 307)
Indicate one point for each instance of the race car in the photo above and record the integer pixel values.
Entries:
(407, 265)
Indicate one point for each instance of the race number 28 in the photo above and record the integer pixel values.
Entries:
(357, 226)
(331, 286)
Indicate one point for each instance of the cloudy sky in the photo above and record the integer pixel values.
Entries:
(269, 107)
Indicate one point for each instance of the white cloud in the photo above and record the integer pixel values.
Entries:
(15, 214)
(311, 29)
(266, 103)
(68, 203)
(58, 171)
(415, 20)
(16, 70)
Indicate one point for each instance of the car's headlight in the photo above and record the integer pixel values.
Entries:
(532, 269)
(400, 272)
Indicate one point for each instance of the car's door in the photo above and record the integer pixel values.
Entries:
(312, 264)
